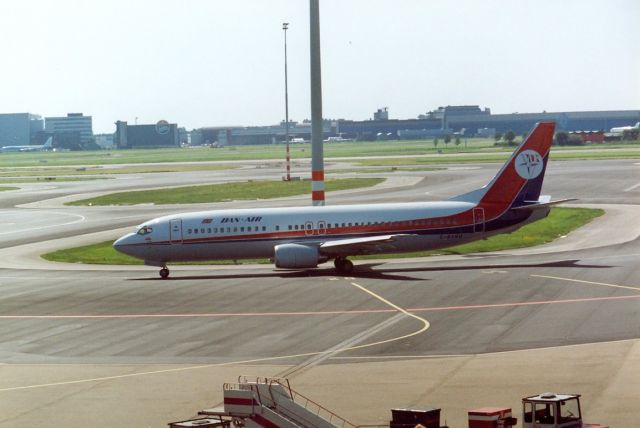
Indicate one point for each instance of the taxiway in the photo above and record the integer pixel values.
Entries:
(116, 346)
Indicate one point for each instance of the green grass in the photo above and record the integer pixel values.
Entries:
(99, 170)
(499, 157)
(384, 170)
(272, 151)
(560, 222)
(251, 190)
(2, 189)
(47, 179)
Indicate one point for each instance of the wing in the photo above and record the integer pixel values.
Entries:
(359, 246)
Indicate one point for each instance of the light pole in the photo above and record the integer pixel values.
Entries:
(285, 27)
(317, 156)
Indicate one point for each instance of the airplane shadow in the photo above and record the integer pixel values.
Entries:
(367, 271)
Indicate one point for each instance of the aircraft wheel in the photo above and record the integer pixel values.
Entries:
(343, 265)
(347, 266)
(164, 273)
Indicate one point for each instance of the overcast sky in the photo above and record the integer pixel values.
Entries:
(219, 63)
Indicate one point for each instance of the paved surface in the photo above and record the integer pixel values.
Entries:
(114, 346)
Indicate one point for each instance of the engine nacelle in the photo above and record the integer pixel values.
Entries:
(296, 256)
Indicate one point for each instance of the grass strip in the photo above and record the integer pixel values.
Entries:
(559, 223)
(497, 157)
(134, 169)
(50, 179)
(251, 190)
(276, 151)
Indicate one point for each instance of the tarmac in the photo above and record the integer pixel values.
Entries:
(115, 346)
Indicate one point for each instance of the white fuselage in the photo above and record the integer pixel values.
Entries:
(253, 233)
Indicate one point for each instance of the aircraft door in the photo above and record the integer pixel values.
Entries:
(322, 227)
(308, 228)
(175, 231)
(478, 220)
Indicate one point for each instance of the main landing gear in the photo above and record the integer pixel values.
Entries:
(343, 265)
(164, 272)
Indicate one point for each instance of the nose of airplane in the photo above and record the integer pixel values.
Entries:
(123, 243)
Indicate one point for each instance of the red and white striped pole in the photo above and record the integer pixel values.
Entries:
(317, 155)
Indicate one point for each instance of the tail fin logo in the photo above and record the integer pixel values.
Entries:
(529, 164)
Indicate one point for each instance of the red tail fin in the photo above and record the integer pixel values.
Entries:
(520, 178)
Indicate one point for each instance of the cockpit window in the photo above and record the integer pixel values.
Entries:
(145, 230)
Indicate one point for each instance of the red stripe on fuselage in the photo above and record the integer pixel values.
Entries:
(463, 219)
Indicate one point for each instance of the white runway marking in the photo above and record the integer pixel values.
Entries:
(635, 186)
(334, 352)
(79, 219)
(626, 287)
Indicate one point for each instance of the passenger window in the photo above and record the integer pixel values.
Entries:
(264, 228)
(277, 227)
(309, 226)
(295, 227)
(290, 227)
(209, 230)
(242, 229)
(189, 231)
(235, 229)
(195, 230)
(342, 224)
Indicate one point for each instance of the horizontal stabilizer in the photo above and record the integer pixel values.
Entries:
(537, 205)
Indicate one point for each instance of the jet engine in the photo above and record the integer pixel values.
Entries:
(297, 256)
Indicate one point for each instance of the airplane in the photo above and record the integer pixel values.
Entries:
(48, 145)
(619, 130)
(304, 237)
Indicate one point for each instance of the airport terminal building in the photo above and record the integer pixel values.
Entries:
(467, 120)
(473, 121)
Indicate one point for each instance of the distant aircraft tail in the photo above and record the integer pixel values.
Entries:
(519, 181)
(48, 144)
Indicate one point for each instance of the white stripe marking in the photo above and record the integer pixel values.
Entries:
(628, 189)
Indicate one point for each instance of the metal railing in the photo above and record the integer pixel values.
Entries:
(311, 406)
(298, 398)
